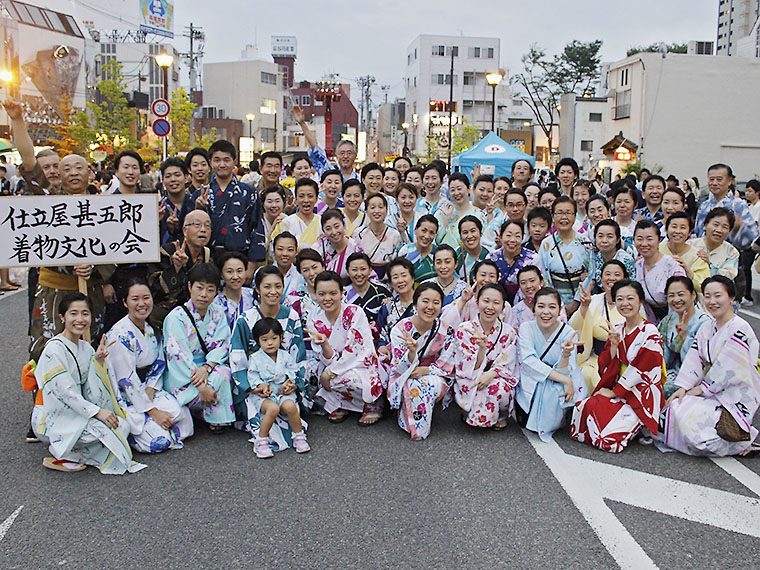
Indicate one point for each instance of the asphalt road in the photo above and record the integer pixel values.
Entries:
(368, 498)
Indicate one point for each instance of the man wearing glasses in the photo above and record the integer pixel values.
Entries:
(168, 280)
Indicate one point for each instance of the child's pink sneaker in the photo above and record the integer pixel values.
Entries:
(300, 443)
(261, 448)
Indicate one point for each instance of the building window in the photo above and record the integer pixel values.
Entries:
(622, 104)
(415, 81)
(469, 78)
(269, 78)
(490, 53)
(305, 100)
(474, 52)
(595, 117)
(624, 77)
(269, 106)
(517, 102)
(267, 134)
(587, 146)
(455, 49)
(415, 53)
(439, 50)
(443, 79)
(294, 100)
(467, 103)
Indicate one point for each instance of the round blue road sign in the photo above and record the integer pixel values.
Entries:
(161, 127)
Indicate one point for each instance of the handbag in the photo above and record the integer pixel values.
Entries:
(728, 428)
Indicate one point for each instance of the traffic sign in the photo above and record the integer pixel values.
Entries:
(161, 127)
(160, 107)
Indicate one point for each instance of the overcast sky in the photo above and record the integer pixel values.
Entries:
(352, 39)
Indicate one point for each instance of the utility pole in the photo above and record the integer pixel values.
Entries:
(451, 102)
(365, 83)
(197, 39)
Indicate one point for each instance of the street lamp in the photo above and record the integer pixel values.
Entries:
(493, 80)
(6, 76)
(250, 117)
(405, 126)
(164, 61)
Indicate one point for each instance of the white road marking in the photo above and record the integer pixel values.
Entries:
(589, 482)
(752, 314)
(611, 532)
(8, 522)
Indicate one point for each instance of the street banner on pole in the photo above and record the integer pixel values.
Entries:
(71, 230)
(157, 17)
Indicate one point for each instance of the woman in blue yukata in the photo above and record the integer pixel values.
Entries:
(269, 285)
(197, 340)
(445, 264)
(550, 380)
(81, 416)
(234, 299)
(271, 375)
(136, 365)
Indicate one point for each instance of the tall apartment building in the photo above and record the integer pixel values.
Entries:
(738, 28)
(428, 81)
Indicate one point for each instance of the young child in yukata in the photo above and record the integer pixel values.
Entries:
(271, 375)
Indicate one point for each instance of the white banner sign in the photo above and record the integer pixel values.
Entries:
(70, 230)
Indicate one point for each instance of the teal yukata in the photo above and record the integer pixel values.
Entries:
(184, 354)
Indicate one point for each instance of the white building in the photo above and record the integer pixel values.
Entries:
(582, 128)
(686, 112)
(427, 84)
(248, 86)
(739, 28)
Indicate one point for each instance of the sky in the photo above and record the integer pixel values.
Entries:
(354, 39)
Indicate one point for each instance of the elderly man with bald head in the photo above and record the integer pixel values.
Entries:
(55, 282)
(168, 280)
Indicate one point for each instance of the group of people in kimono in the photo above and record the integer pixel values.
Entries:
(394, 290)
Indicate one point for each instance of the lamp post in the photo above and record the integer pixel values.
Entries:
(493, 80)
(164, 61)
(405, 151)
(251, 117)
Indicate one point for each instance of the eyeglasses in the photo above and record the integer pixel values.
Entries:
(197, 225)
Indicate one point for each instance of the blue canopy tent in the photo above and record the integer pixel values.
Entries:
(491, 151)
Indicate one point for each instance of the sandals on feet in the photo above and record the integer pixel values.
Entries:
(217, 429)
(62, 465)
(370, 418)
(337, 416)
(500, 425)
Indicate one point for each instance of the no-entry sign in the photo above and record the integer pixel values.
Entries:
(160, 107)
(161, 127)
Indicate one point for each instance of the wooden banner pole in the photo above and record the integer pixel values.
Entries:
(83, 290)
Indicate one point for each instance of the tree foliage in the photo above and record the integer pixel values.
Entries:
(111, 123)
(656, 47)
(545, 79)
(181, 118)
(71, 137)
(465, 135)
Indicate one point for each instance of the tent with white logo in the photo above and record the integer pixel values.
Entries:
(493, 155)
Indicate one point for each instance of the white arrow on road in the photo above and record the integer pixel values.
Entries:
(588, 483)
(8, 522)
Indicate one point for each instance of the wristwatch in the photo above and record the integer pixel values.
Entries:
(208, 367)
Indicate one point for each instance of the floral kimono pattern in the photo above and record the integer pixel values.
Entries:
(232, 310)
(537, 395)
(74, 388)
(593, 282)
(305, 305)
(243, 346)
(135, 362)
(414, 398)
(653, 281)
(263, 370)
(357, 385)
(335, 261)
(184, 353)
(723, 362)
(484, 407)
(634, 374)
(675, 347)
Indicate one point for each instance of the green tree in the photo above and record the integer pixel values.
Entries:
(545, 79)
(111, 118)
(656, 47)
(71, 138)
(465, 135)
(209, 138)
(181, 138)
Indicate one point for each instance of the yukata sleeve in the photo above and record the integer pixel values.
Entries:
(531, 363)
(294, 324)
(447, 360)
(639, 384)
(254, 373)
(219, 345)
(506, 363)
(382, 326)
(401, 367)
(318, 158)
(56, 379)
(179, 354)
(693, 365)
(359, 343)
(722, 375)
(121, 364)
(730, 267)
(691, 335)
(238, 357)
